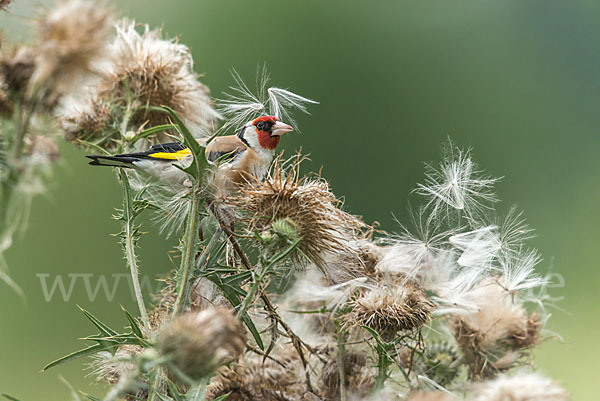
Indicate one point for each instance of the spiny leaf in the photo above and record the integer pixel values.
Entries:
(133, 323)
(74, 394)
(177, 396)
(90, 397)
(75, 355)
(104, 329)
(154, 130)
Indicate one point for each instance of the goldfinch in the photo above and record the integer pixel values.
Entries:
(249, 153)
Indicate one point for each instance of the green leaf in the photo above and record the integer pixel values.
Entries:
(154, 130)
(104, 329)
(222, 397)
(9, 397)
(135, 328)
(91, 397)
(75, 355)
(174, 391)
(250, 324)
(281, 255)
(74, 394)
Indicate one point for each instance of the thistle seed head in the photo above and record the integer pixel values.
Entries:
(276, 379)
(41, 149)
(388, 309)
(305, 203)
(16, 69)
(490, 336)
(199, 342)
(72, 36)
(4, 4)
(144, 70)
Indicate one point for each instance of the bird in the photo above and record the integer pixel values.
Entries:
(247, 154)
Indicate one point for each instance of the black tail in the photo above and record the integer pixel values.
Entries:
(125, 161)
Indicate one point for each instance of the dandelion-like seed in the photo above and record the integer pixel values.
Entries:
(242, 104)
(457, 184)
(198, 343)
(307, 204)
(73, 36)
(522, 387)
(388, 309)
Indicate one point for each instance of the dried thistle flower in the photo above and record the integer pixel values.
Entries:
(41, 148)
(73, 36)
(277, 378)
(359, 377)
(490, 336)
(522, 387)
(16, 69)
(4, 4)
(200, 342)
(306, 203)
(145, 70)
(388, 309)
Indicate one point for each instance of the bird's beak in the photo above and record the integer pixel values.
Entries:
(280, 128)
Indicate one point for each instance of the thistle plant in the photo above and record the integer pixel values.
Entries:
(279, 293)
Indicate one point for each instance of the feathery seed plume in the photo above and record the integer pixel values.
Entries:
(242, 105)
(522, 387)
(457, 184)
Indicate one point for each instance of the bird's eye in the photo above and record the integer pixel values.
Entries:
(260, 125)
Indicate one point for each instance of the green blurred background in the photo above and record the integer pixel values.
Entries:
(517, 80)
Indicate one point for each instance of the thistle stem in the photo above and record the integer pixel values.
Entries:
(8, 184)
(340, 363)
(130, 256)
(188, 252)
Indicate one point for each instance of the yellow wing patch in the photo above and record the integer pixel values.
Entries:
(182, 154)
